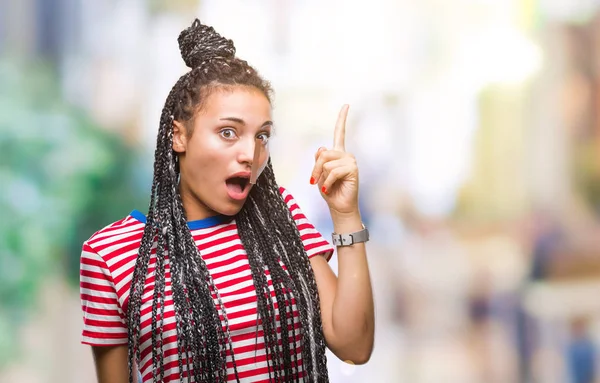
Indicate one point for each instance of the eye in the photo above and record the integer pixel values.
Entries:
(228, 133)
(264, 137)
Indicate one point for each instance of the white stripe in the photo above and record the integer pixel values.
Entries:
(98, 293)
(312, 241)
(148, 342)
(109, 232)
(116, 247)
(235, 297)
(168, 308)
(243, 275)
(104, 318)
(114, 241)
(104, 341)
(235, 287)
(101, 306)
(303, 221)
(320, 249)
(214, 237)
(226, 258)
(106, 330)
(91, 256)
(245, 319)
(219, 247)
(113, 261)
(95, 281)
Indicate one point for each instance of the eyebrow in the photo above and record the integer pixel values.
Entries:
(241, 122)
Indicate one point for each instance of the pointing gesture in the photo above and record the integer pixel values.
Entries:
(336, 172)
(339, 135)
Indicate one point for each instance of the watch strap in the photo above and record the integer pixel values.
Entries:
(350, 238)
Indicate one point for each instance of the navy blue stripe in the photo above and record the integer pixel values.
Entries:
(193, 225)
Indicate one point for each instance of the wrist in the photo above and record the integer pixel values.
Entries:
(346, 222)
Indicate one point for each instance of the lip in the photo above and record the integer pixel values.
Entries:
(245, 174)
(244, 193)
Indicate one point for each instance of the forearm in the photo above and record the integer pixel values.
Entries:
(111, 364)
(353, 310)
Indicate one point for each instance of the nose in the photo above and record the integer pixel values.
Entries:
(245, 154)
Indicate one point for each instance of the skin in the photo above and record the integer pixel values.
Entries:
(221, 143)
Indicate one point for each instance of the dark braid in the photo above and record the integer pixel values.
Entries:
(286, 243)
(267, 231)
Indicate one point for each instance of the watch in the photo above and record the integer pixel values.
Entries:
(350, 238)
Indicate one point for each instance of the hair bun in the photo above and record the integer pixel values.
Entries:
(200, 43)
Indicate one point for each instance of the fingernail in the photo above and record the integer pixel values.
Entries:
(324, 190)
(312, 180)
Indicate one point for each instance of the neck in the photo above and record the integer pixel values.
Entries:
(193, 207)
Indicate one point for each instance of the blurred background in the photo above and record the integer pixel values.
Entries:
(476, 124)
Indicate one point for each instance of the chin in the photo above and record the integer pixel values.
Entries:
(232, 208)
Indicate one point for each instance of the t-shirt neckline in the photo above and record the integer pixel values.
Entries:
(193, 225)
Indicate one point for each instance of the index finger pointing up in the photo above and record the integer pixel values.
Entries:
(339, 135)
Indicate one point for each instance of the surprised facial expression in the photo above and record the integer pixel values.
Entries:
(216, 154)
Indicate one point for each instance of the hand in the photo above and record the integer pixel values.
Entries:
(336, 172)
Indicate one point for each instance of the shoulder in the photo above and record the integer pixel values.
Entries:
(287, 196)
(126, 229)
(292, 203)
(313, 241)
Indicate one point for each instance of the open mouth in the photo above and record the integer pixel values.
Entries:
(237, 186)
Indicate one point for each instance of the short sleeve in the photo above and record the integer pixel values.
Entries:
(313, 241)
(103, 319)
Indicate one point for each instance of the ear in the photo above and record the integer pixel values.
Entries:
(179, 137)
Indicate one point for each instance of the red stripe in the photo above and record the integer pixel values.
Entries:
(96, 287)
(315, 245)
(108, 231)
(104, 335)
(202, 236)
(315, 235)
(94, 274)
(98, 311)
(134, 235)
(229, 261)
(206, 255)
(236, 270)
(104, 324)
(100, 300)
(122, 262)
(99, 263)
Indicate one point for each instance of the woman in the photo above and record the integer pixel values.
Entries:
(240, 289)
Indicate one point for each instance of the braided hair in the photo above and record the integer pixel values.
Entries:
(267, 231)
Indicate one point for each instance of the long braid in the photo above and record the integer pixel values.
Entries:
(286, 242)
(267, 231)
(265, 306)
(255, 249)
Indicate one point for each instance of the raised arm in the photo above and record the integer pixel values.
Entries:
(347, 307)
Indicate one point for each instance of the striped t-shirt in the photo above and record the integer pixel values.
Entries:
(107, 263)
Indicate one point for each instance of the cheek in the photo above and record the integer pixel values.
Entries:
(205, 152)
(203, 165)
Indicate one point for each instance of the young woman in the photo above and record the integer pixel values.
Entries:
(223, 280)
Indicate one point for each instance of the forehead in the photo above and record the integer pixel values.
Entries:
(244, 102)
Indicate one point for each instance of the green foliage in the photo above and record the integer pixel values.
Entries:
(62, 177)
